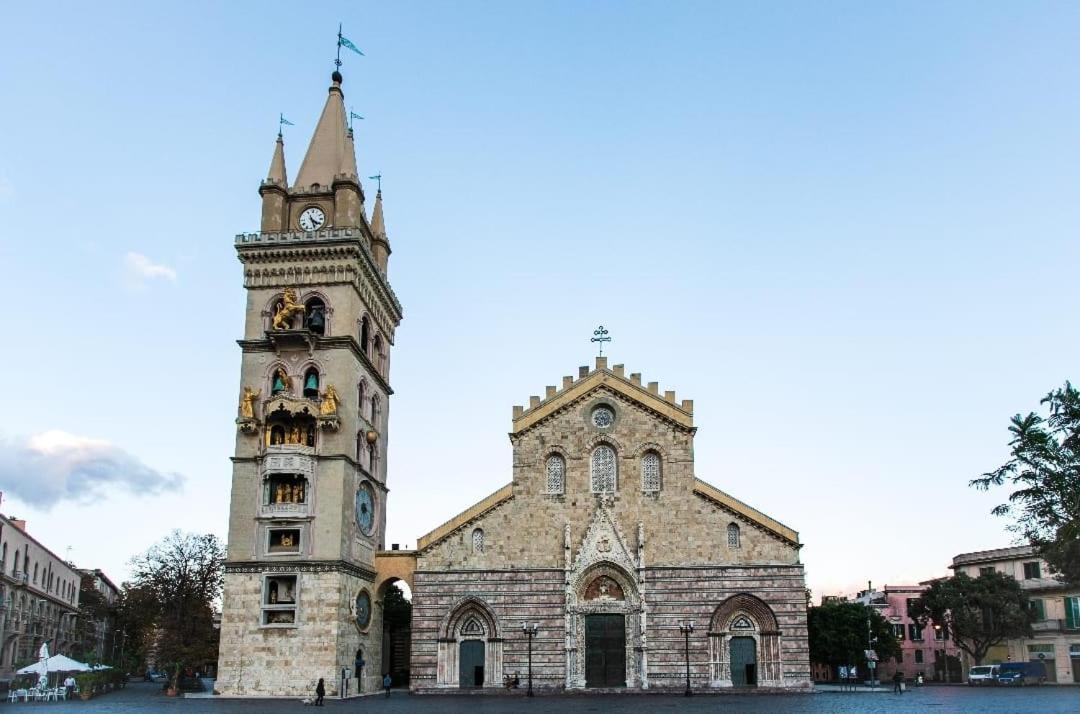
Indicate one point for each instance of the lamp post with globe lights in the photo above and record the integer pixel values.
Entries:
(686, 628)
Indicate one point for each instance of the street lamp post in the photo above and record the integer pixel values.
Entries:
(686, 628)
(530, 631)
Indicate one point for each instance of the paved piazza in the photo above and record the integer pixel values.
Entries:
(1045, 700)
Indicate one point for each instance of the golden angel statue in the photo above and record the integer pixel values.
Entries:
(329, 402)
(284, 311)
(247, 403)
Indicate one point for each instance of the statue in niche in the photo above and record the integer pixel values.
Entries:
(286, 309)
(247, 403)
(278, 495)
(295, 436)
(297, 494)
(311, 435)
(273, 592)
(282, 381)
(286, 540)
(277, 435)
(329, 402)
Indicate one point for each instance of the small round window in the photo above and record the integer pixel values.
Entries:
(603, 417)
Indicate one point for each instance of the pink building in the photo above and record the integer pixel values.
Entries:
(922, 649)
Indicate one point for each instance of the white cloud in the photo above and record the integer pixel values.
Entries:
(55, 466)
(140, 269)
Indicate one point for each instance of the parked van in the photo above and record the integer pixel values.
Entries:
(983, 674)
(1018, 674)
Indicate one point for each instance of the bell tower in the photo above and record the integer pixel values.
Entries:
(307, 512)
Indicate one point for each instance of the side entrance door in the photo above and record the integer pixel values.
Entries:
(605, 651)
(471, 663)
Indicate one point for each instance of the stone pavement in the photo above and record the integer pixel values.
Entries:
(141, 697)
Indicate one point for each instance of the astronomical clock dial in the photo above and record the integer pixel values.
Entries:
(312, 219)
(363, 609)
(365, 509)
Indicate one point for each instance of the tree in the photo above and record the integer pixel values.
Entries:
(179, 580)
(978, 612)
(1044, 465)
(838, 634)
(93, 610)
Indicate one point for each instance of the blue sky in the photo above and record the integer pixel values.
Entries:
(848, 231)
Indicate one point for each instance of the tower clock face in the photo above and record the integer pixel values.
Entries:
(312, 219)
(363, 609)
(365, 508)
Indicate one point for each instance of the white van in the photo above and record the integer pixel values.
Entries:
(984, 674)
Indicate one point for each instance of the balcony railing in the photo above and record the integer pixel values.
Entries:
(284, 510)
(1048, 626)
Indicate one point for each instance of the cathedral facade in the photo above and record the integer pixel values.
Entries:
(604, 564)
(625, 565)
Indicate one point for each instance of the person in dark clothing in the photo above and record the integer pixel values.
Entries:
(320, 692)
(898, 682)
(386, 682)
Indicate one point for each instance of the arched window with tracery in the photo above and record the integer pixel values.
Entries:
(603, 470)
(375, 411)
(365, 336)
(733, 535)
(360, 398)
(377, 353)
(650, 471)
(556, 474)
(478, 540)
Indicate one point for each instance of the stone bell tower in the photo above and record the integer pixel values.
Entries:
(308, 509)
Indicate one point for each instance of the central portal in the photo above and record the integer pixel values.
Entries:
(605, 651)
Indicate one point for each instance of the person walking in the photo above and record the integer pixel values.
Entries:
(386, 682)
(320, 692)
(898, 682)
(69, 685)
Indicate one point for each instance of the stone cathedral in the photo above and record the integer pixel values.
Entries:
(605, 542)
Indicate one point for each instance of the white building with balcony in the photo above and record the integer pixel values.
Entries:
(1055, 639)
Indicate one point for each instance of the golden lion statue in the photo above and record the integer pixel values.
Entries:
(286, 309)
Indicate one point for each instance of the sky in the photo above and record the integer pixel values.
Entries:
(847, 231)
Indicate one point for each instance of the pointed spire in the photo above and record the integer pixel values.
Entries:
(326, 153)
(348, 159)
(378, 226)
(277, 164)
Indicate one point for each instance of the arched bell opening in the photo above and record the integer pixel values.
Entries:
(311, 383)
(315, 316)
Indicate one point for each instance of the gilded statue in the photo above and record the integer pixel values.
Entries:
(297, 493)
(294, 436)
(329, 402)
(278, 495)
(286, 309)
(247, 403)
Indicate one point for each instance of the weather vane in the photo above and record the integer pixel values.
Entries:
(282, 122)
(377, 177)
(343, 41)
(601, 337)
(353, 115)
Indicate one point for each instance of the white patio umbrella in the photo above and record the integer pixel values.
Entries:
(56, 663)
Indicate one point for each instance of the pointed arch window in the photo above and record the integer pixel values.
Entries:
(478, 540)
(315, 316)
(603, 470)
(556, 474)
(360, 398)
(311, 383)
(650, 471)
(375, 411)
(733, 535)
(377, 353)
(365, 336)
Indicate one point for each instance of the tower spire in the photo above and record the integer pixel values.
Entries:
(277, 164)
(380, 244)
(326, 154)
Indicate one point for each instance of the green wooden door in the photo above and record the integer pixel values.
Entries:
(472, 663)
(605, 651)
(743, 662)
